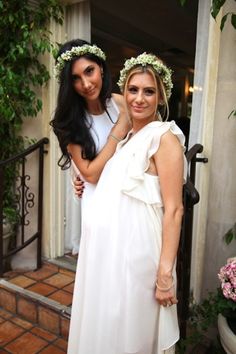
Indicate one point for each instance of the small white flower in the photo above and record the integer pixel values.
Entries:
(145, 59)
(77, 52)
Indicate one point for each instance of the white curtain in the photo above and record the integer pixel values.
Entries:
(202, 43)
(72, 217)
(201, 131)
(78, 25)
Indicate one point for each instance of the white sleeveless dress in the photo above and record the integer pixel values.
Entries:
(101, 126)
(114, 309)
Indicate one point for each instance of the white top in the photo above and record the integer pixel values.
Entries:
(114, 309)
(100, 129)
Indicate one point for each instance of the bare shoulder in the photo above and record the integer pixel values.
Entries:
(119, 100)
(170, 143)
(169, 138)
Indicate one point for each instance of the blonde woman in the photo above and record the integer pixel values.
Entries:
(125, 290)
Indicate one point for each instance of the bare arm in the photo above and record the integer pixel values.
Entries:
(169, 164)
(119, 100)
(91, 170)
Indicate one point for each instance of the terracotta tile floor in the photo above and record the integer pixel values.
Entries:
(18, 336)
(50, 281)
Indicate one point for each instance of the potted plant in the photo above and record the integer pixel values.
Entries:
(216, 309)
(227, 306)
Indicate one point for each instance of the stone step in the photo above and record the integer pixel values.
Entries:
(41, 310)
(46, 313)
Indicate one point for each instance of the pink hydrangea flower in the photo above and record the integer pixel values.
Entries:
(227, 276)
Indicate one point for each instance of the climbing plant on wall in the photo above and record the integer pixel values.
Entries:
(25, 38)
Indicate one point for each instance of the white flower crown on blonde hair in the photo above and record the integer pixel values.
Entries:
(77, 52)
(157, 65)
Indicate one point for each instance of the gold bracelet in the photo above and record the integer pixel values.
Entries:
(165, 289)
(114, 137)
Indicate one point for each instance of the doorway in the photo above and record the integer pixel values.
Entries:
(127, 28)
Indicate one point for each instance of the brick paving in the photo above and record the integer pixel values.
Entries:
(50, 281)
(20, 336)
(26, 325)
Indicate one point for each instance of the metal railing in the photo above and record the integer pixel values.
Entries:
(28, 193)
(190, 198)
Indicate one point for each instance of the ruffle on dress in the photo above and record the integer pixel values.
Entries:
(138, 183)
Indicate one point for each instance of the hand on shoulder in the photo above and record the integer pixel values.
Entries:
(119, 100)
(123, 124)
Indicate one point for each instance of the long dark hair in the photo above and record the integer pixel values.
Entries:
(69, 123)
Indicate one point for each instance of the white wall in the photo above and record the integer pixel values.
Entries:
(215, 72)
(201, 129)
(222, 190)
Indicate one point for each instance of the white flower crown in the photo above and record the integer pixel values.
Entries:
(145, 59)
(77, 52)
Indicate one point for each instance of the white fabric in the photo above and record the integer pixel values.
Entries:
(78, 25)
(114, 310)
(100, 129)
(72, 217)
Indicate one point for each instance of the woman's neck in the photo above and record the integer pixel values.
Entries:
(95, 107)
(138, 124)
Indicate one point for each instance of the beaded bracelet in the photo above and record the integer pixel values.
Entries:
(165, 289)
(114, 137)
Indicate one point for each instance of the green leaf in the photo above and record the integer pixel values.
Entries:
(20, 49)
(39, 105)
(230, 235)
(182, 2)
(233, 20)
(224, 18)
(228, 238)
(233, 113)
(216, 6)
(11, 18)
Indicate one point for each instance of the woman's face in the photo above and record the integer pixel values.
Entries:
(87, 78)
(142, 97)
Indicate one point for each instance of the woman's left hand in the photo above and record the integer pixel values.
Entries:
(165, 295)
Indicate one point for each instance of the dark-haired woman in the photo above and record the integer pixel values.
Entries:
(86, 117)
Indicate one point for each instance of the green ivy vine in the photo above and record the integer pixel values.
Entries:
(25, 38)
